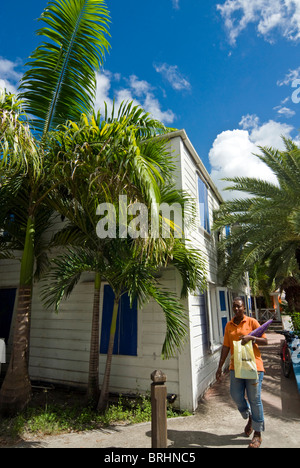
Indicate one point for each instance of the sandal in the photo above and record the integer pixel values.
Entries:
(256, 442)
(248, 429)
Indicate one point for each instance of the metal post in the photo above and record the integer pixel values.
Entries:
(159, 410)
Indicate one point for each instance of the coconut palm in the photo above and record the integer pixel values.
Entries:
(266, 225)
(59, 85)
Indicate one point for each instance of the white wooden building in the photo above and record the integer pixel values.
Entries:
(60, 343)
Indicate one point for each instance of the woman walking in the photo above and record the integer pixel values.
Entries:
(238, 329)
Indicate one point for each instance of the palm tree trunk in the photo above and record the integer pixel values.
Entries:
(93, 380)
(15, 392)
(105, 386)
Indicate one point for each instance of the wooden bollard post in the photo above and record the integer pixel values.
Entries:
(159, 410)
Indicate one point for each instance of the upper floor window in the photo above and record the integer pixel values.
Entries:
(203, 204)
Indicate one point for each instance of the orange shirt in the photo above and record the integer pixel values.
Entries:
(234, 332)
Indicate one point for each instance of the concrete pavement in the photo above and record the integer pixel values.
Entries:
(216, 424)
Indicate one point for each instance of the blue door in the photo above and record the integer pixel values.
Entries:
(126, 332)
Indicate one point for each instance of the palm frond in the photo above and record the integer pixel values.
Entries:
(66, 272)
(284, 164)
(259, 188)
(60, 82)
(176, 321)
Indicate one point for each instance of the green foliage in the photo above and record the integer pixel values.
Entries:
(296, 321)
(18, 149)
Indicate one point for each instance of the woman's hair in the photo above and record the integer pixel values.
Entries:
(238, 298)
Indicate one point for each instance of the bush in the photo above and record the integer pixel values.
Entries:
(296, 321)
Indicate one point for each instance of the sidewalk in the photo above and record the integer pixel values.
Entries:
(217, 423)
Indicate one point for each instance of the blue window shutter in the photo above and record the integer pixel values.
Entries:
(126, 331)
(222, 301)
(224, 323)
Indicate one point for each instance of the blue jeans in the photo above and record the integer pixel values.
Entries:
(238, 388)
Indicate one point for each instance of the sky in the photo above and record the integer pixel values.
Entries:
(226, 71)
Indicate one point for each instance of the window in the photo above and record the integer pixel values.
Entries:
(203, 204)
(126, 332)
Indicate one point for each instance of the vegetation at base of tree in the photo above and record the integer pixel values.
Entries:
(54, 418)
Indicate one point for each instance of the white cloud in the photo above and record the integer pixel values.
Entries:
(9, 76)
(233, 152)
(285, 111)
(173, 76)
(291, 76)
(176, 4)
(139, 91)
(269, 15)
(140, 87)
(249, 121)
(270, 134)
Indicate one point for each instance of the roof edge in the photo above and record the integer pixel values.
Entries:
(183, 135)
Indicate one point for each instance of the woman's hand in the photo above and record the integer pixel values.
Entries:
(258, 341)
(219, 374)
(246, 339)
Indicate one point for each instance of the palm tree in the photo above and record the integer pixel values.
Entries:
(129, 273)
(23, 216)
(266, 225)
(59, 85)
(115, 156)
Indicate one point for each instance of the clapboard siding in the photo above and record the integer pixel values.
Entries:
(9, 273)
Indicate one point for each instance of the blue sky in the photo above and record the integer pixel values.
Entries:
(221, 69)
